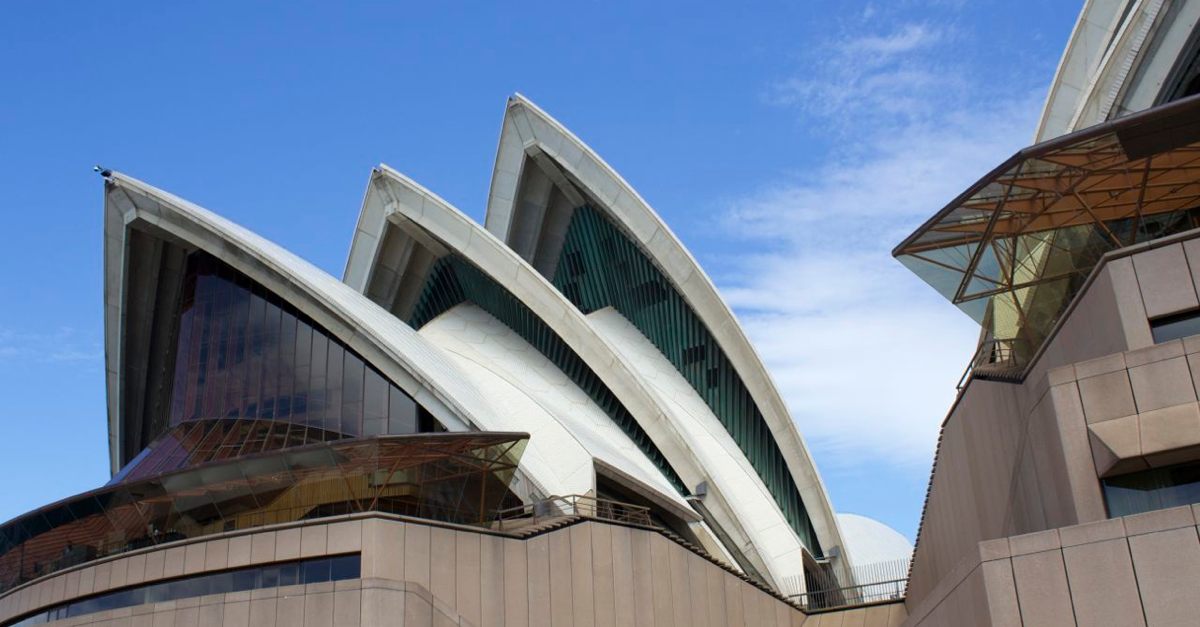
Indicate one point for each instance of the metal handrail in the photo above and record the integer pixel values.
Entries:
(574, 505)
(847, 596)
(827, 587)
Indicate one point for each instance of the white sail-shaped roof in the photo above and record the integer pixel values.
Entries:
(393, 199)
(403, 227)
(400, 353)
(530, 138)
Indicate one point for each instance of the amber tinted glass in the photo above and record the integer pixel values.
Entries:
(1015, 250)
(461, 478)
(245, 354)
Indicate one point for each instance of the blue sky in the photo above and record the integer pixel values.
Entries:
(789, 145)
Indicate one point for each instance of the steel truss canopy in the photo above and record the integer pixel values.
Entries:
(1014, 248)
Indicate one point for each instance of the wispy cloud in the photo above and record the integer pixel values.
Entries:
(61, 346)
(865, 354)
(867, 78)
(907, 38)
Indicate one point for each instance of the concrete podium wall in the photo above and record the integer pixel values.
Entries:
(587, 574)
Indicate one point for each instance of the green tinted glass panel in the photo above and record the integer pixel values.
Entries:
(600, 267)
(452, 281)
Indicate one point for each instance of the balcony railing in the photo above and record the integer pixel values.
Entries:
(850, 596)
(868, 583)
(572, 505)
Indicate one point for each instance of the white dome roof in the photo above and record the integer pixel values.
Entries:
(869, 541)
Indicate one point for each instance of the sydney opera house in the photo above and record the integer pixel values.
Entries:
(553, 418)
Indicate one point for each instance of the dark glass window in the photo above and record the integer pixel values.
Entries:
(317, 570)
(246, 579)
(1148, 490)
(426, 423)
(157, 593)
(343, 567)
(333, 387)
(1175, 327)
(244, 353)
(375, 404)
(319, 380)
(289, 574)
(224, 582)
(402, 413)
(314, 571)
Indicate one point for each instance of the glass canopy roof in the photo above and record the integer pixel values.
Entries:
(1014, 249)
(454, 477)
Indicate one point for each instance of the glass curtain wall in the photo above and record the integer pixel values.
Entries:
(245, 354)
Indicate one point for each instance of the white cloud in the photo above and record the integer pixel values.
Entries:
(909, 74)
(907, 38)
(60, 346)
(865, 354)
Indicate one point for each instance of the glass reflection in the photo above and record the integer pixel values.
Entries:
(243, 353)
(461, 478)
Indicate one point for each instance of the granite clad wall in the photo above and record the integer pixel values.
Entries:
(883, 615)
(589, 574)
(1004, 470)
(1019, 458)
(1136, 571)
